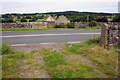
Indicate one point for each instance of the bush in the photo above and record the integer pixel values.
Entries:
(71, 25)
(95, 40)
(61, 26)
(116, 19)
(31, 20)
(92, 23)
(5, 49)
(23, 20)
(7, 20)
(104, 19)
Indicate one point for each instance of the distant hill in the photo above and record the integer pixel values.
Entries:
(66, 13)
(76, 13)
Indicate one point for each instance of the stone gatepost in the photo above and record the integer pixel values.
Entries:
(104, 35)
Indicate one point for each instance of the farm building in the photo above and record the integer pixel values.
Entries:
(62, 20)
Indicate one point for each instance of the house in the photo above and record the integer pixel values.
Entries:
(109, 19)
(62, 20)
(49, 19)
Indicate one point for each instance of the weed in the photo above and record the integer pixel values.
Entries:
(6, 49)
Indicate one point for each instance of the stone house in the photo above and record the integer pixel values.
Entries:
(49, 19)
(48, 22)
(62, 20)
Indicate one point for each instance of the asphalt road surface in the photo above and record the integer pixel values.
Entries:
(47, 37)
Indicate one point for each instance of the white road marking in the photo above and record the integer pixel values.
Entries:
(49, 34)
(74, 42)
(47, 43)
(18, 44)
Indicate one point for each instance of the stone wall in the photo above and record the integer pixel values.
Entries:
(49, 22)
(28, 25)
(81, 24)
(110, 34)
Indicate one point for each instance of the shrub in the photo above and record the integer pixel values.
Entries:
(61, 26)
(5, 49)
(23, 20)
(94, 40)
(116, 19)
(71, 25)
(104, 19)
(7, 20)
(92, 23)
(31, 20)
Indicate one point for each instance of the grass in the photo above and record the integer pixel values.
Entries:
(11, 64)
(0, 62)
(58, 64)
(105, 60)
(5, 49)
(54, 59)
(11, 61)
(32, 29)
(59, 68)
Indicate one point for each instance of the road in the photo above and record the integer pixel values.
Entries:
(49, 36)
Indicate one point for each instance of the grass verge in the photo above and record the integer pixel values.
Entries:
(39, 29)
(5, 49)
(11, 62)
(59, 68)
(105, 60)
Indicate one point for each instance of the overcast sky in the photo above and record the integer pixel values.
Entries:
(41, 6)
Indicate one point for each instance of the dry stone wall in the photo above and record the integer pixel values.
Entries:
(110, 34)
(27, 25)
(81, 24)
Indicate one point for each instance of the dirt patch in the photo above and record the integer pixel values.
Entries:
(32, 67)
(29, 48)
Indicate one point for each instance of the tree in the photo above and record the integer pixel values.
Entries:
(92, 23)
(116, 18)
(7, 20)
(28, 17)
(31, 20)
(103, 19)
(23, 20)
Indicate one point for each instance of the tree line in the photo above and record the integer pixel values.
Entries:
(73, 16)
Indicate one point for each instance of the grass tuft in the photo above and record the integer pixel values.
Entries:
(6, 49)
(53, 59)
(11, 62)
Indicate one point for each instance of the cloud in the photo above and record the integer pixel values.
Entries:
(39, 7)
(60, 0)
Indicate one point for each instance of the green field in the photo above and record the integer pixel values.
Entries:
(39, 29)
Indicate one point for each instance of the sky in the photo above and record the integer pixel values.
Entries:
(42, 6)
